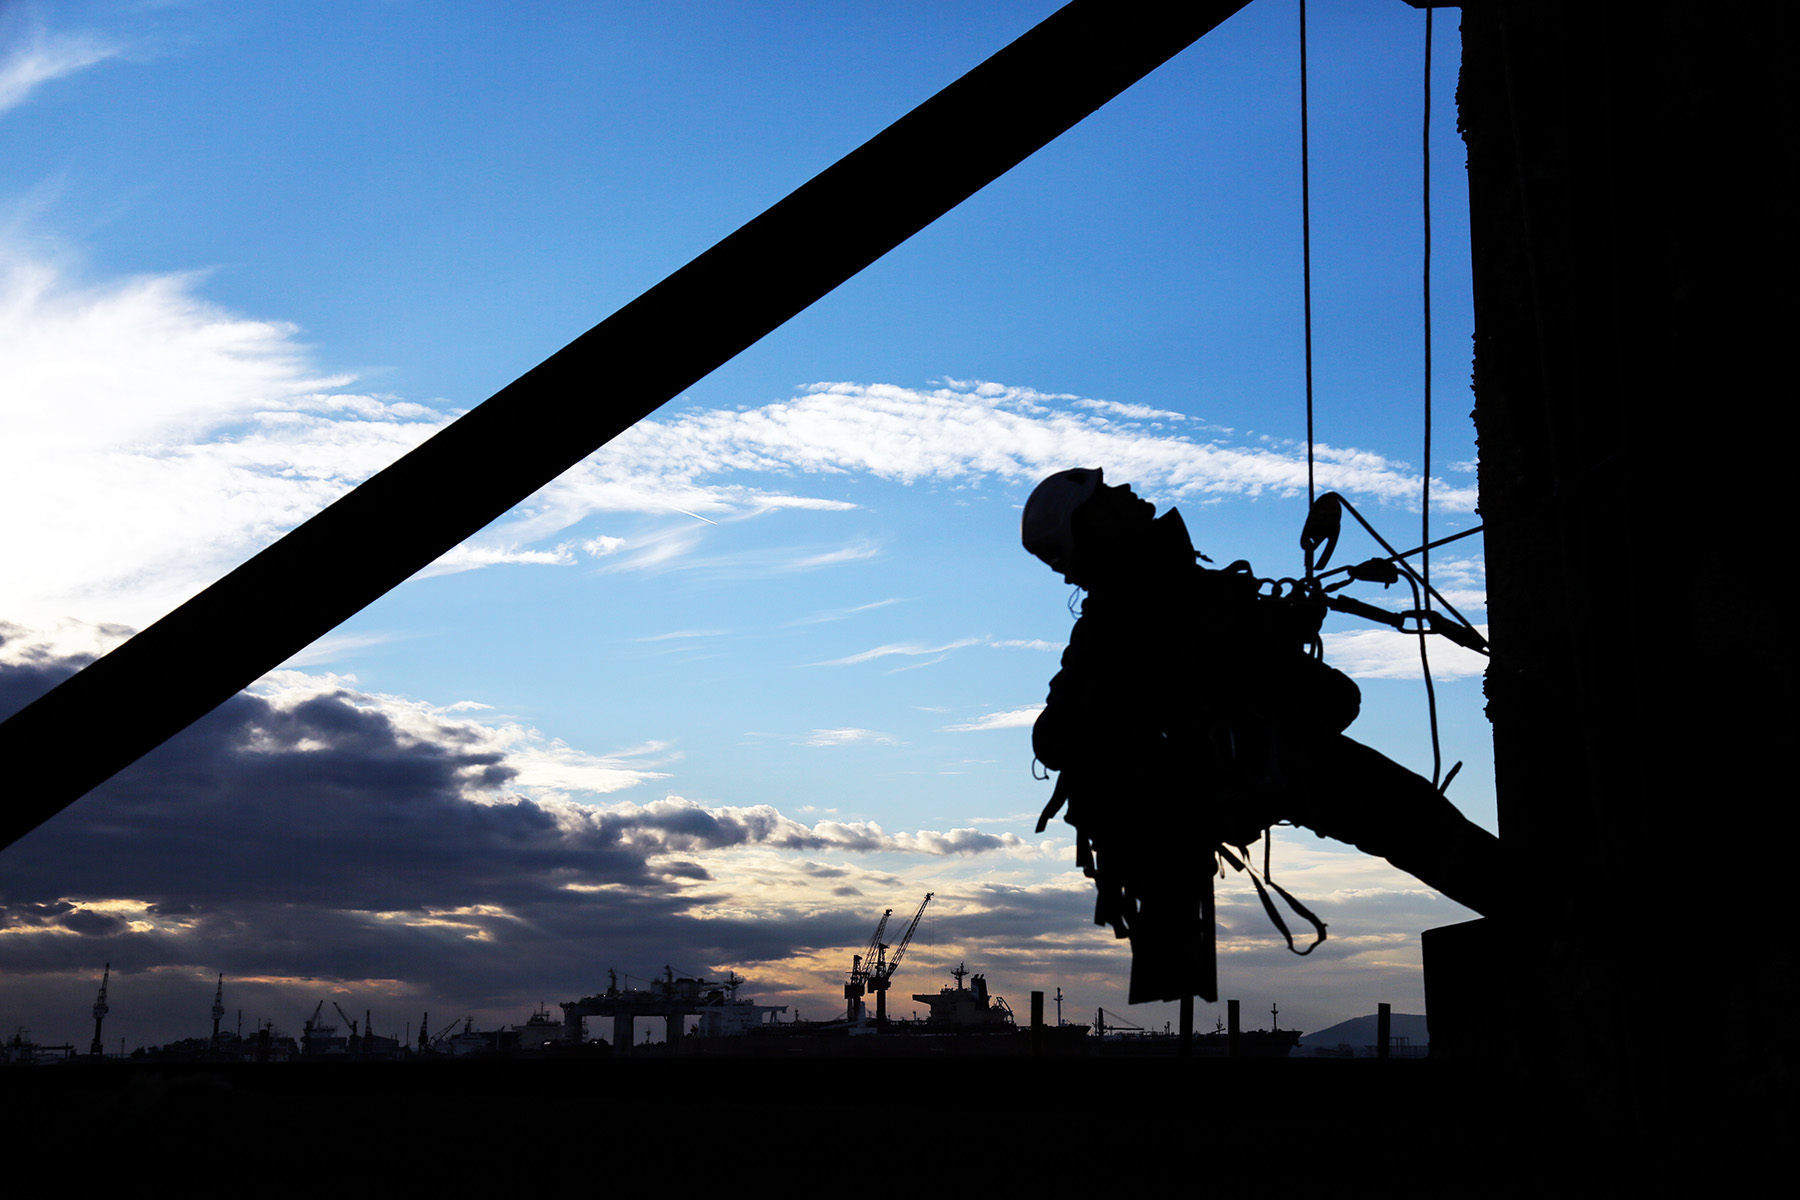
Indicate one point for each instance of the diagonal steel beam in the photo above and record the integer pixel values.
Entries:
(120, 707)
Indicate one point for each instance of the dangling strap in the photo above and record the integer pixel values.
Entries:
(1059, 795)
(1269, 905)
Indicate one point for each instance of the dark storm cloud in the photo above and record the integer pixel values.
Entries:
(37, 914)
(90, 923)
(1008, 913)
(968, 841)
(689, 827)
(332, 836)
(267, 838)
(320, 803)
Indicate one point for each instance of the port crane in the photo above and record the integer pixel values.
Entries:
(440, 1035)
(100, 1010)
(883, 968)
(858, 983)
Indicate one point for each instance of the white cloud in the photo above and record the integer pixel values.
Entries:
(683, 635)
(679, 549)
(1135, 412)
(962, 432)
(868, 838)
(159, 440)
(39, 56)
(334, 646)
(911, 649)
(855, 552)
(66, 638)
(1014, 718)
(1462, 580)
(465, 556)
(920, 649)
(844, 737)
(1390, 654)
(840, 614)
(553, 766)
(1021, 434)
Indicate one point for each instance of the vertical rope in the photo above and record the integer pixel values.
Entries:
(1306, 267)
(1424, 603)
(1425, 507)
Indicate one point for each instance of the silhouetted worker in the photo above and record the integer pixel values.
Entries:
(1188, 716)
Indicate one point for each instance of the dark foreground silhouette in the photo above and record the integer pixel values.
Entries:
(1188, 717)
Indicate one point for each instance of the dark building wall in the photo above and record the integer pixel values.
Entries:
(1631, 173)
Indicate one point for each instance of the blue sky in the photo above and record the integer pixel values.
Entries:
(765, 666)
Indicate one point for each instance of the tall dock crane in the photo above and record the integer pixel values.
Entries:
(860, 965)
(884, 968)
(100, 1011)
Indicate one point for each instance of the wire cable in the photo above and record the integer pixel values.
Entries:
(1306, 265)
(1424, 603)
(1399, 560)
(1443, 541)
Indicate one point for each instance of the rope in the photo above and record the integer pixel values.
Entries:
(1437, 755)
(1306, 266)
(1399, 559)
(1443, 541)
(1420, 581)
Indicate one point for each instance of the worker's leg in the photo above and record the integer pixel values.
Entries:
(1344, 790)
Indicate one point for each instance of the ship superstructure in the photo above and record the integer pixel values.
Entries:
(968, 1009)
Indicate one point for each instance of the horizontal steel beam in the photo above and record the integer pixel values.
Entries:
(124, 705)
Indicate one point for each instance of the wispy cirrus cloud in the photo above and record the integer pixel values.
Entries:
(1012, 718)
(31, 56)
(963, 432)
(966, 429)
(923, 649)
(683, 635)
(161, 439)
(845, 737)
(158, 440)
(841, 614)
(907, 649)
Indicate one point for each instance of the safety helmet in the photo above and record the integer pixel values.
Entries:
(1047, 527)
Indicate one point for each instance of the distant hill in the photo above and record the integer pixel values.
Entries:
(1359, 1034)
